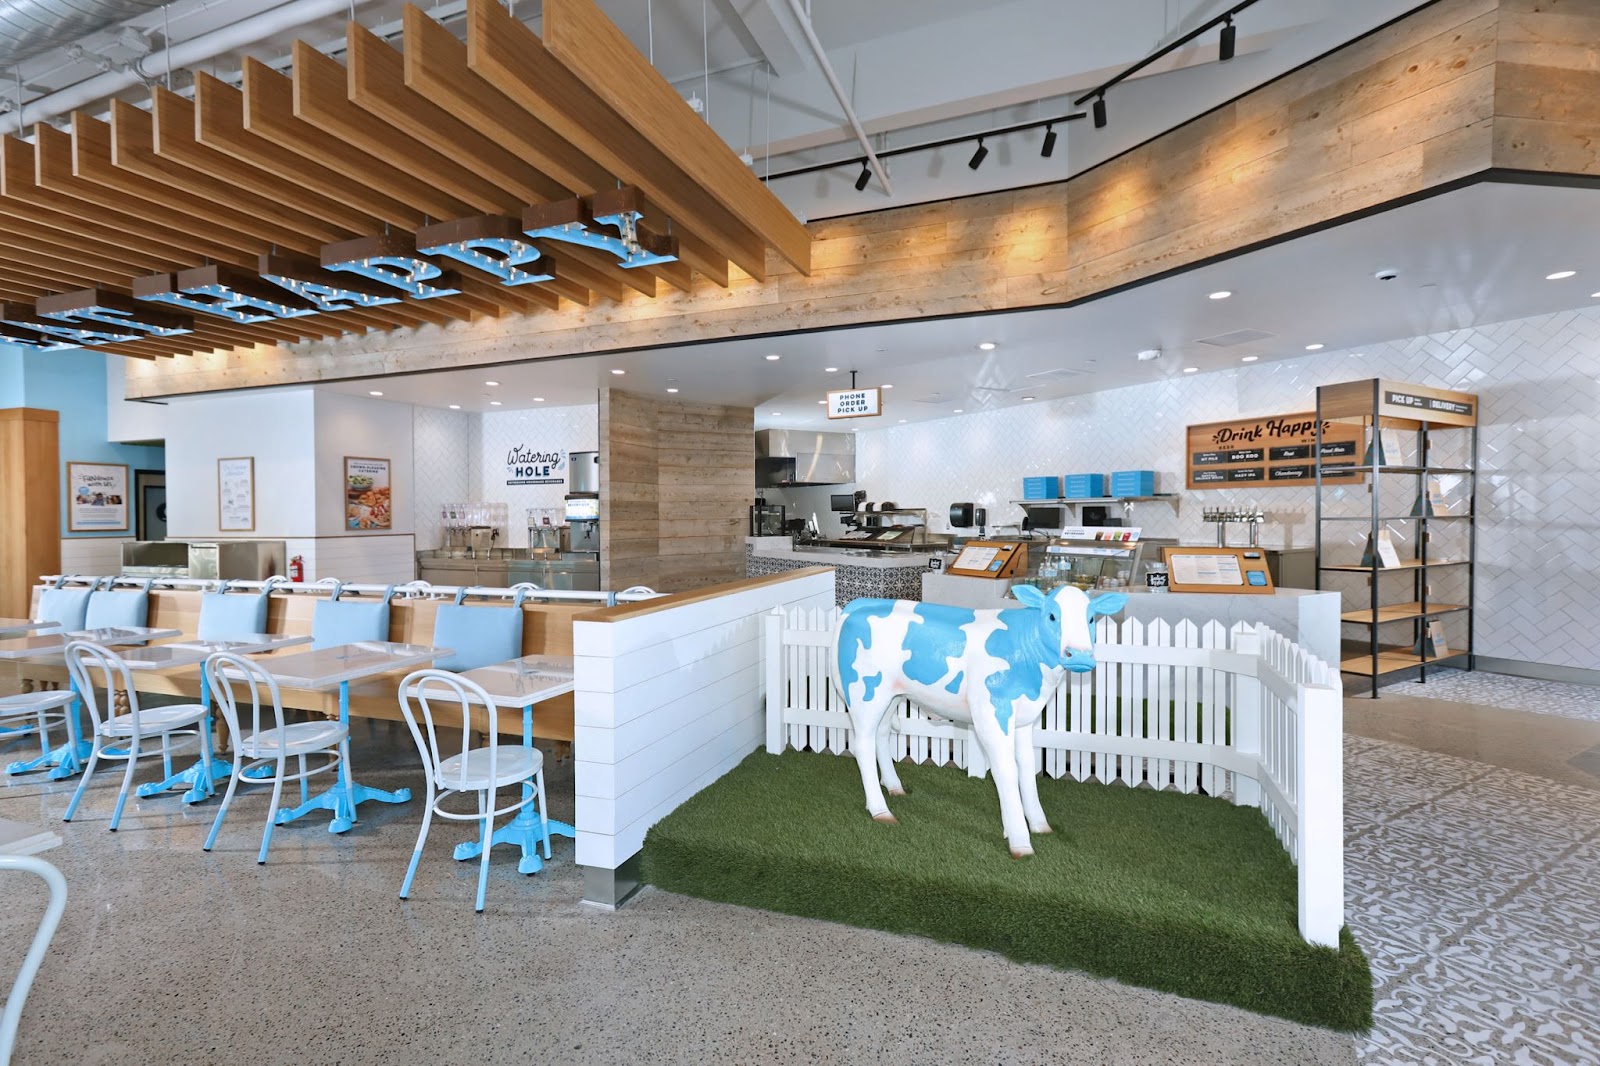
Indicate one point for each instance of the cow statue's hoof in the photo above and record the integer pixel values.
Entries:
(897, 792)
(1037, 829)
(1021, 853)
(886, 817)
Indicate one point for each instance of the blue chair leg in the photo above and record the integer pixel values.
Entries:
(485, 805)
(227, 798)
(272, 808)
(416, 855)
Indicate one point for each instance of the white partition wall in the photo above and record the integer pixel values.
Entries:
(668, 699)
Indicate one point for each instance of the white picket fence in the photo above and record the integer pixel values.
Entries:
(1243, 714)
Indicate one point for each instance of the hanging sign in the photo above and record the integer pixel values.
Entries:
(531, 466)
(855, 403)
(1275, 450)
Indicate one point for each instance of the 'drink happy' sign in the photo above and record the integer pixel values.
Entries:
(1276, 450)
(855, 403)
(531, 466)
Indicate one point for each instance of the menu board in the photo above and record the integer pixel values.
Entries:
(1275, 450)
(236, 495)
(1230, 570)
(366, 493)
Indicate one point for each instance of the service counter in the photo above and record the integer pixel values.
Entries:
(859, 572)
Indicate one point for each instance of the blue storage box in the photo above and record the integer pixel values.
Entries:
(1083, 486)
(1041, 488)
(1133, 483)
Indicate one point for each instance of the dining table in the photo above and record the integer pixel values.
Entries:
(67, 760)
(325, 668)
(201, 778)
(520, 684)
(21, 627)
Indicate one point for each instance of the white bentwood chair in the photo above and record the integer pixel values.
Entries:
(121, 736)
(267, 740)
(12, 1013)
(32, 712)
(482, 770)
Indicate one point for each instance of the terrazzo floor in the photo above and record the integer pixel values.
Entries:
(1471, 886)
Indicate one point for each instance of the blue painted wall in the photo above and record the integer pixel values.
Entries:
(74, 384)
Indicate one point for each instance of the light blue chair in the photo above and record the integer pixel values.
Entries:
(478, 636)
(108, 609)
(337, 621)
(66, 607)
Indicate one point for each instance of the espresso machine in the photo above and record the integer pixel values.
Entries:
(581, 534)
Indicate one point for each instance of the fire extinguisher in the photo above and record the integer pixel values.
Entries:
(297, 569)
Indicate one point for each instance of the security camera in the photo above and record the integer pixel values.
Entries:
(1387, 274)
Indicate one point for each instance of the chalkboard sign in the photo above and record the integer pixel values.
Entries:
(1273, 450)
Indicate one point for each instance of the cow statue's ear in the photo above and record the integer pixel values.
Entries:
(1028, 594)
(1107, 603)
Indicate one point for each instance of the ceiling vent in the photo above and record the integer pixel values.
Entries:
(1236, 338)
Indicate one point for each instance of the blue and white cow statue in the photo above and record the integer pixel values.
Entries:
(994, 669)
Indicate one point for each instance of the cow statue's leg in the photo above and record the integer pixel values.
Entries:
(865, 719)
(1028, 779)
(886, 771)
(1000, 747)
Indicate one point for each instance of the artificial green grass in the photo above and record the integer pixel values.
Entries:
(1179, 893)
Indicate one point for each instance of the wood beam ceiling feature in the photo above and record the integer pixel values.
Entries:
(590, 45)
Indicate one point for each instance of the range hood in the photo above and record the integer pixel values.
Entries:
(786, 457)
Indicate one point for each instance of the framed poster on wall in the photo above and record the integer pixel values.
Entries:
(97, 497)
(236, 495)
(366, 493)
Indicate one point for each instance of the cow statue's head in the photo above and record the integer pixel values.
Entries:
(1066, 614)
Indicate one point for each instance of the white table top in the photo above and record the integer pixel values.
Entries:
(51, 644)
(525, 681)
(193, 652)
(328, 667)
(16, 627)
(18, 838)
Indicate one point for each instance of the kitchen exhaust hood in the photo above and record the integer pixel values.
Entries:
(786, 457)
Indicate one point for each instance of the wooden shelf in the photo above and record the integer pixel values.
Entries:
(1391, 660)
(1408, 564)
(1400, 612)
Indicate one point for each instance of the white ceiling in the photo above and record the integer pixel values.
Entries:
(1473, 256)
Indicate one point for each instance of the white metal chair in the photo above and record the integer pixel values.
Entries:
(270, 743)
(481, 770)
(122, 736)
(32, 712)
(12, 1014)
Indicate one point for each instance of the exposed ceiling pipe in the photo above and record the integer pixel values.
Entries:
(185, 54)
(29, 27)
(873, 161)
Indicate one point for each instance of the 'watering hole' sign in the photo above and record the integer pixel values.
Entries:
(531, 466)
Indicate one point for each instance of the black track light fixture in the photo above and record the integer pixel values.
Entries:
(864, 177)
(1100, 112)
(1226, 43)
(979, 156)
(1049, 145)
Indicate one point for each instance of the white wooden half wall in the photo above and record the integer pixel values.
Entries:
(668, 699)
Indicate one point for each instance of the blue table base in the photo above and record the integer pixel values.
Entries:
(201, 780)
(523, 830)
(342, 803)
(64, 761)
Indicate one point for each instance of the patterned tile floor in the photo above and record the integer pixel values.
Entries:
(1475, 891)
(1512, 693)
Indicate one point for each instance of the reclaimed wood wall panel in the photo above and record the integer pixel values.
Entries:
(30, 505)
(629, 508)
(1456, 89)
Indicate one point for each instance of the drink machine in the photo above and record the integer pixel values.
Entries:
(582, 511)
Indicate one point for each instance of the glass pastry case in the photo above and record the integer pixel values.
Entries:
(1097, 557)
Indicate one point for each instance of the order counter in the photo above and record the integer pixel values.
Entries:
(858, 572)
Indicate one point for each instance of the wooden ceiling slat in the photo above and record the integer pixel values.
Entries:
(510, 56)
(70, 215)
(578, 34)
(35, 239)
(133, 149)
(91, 161)
(23, 260)
(173, 131)
(43, 228)
(52, 165)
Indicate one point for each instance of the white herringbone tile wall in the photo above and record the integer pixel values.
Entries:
(1538, 589)
(546, 429)
(445, 458)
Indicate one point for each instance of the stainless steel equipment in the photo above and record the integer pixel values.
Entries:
(236, 560)
(155, 558)
(480, 539)
(581, 507)
(792, 457)
(768, 519)
(505, 567)
(1251, 517)
(583, 472)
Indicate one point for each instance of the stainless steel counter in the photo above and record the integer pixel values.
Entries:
(506, 567)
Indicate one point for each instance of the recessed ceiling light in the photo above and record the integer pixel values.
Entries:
(830, 370)
(374, 392)
(822, 402)
(957, 410)
(1191, 370)
(886, 386)
(455, 407)
(1558, 275)
(538, 399)
(773, 358)
(902, 420)
(1027, 397)
(491, 384)
(1250, 358)
(777, 414)
(1313, 347)
(1221, 294)
(619, 372)
(675, 390)
(494, 403)
(986, 346)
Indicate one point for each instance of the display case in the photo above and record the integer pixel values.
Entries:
(1400, 546)
(1097, 557)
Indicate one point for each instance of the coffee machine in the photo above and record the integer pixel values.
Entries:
(581, 534)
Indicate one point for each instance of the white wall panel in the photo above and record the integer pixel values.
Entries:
(542, 429)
